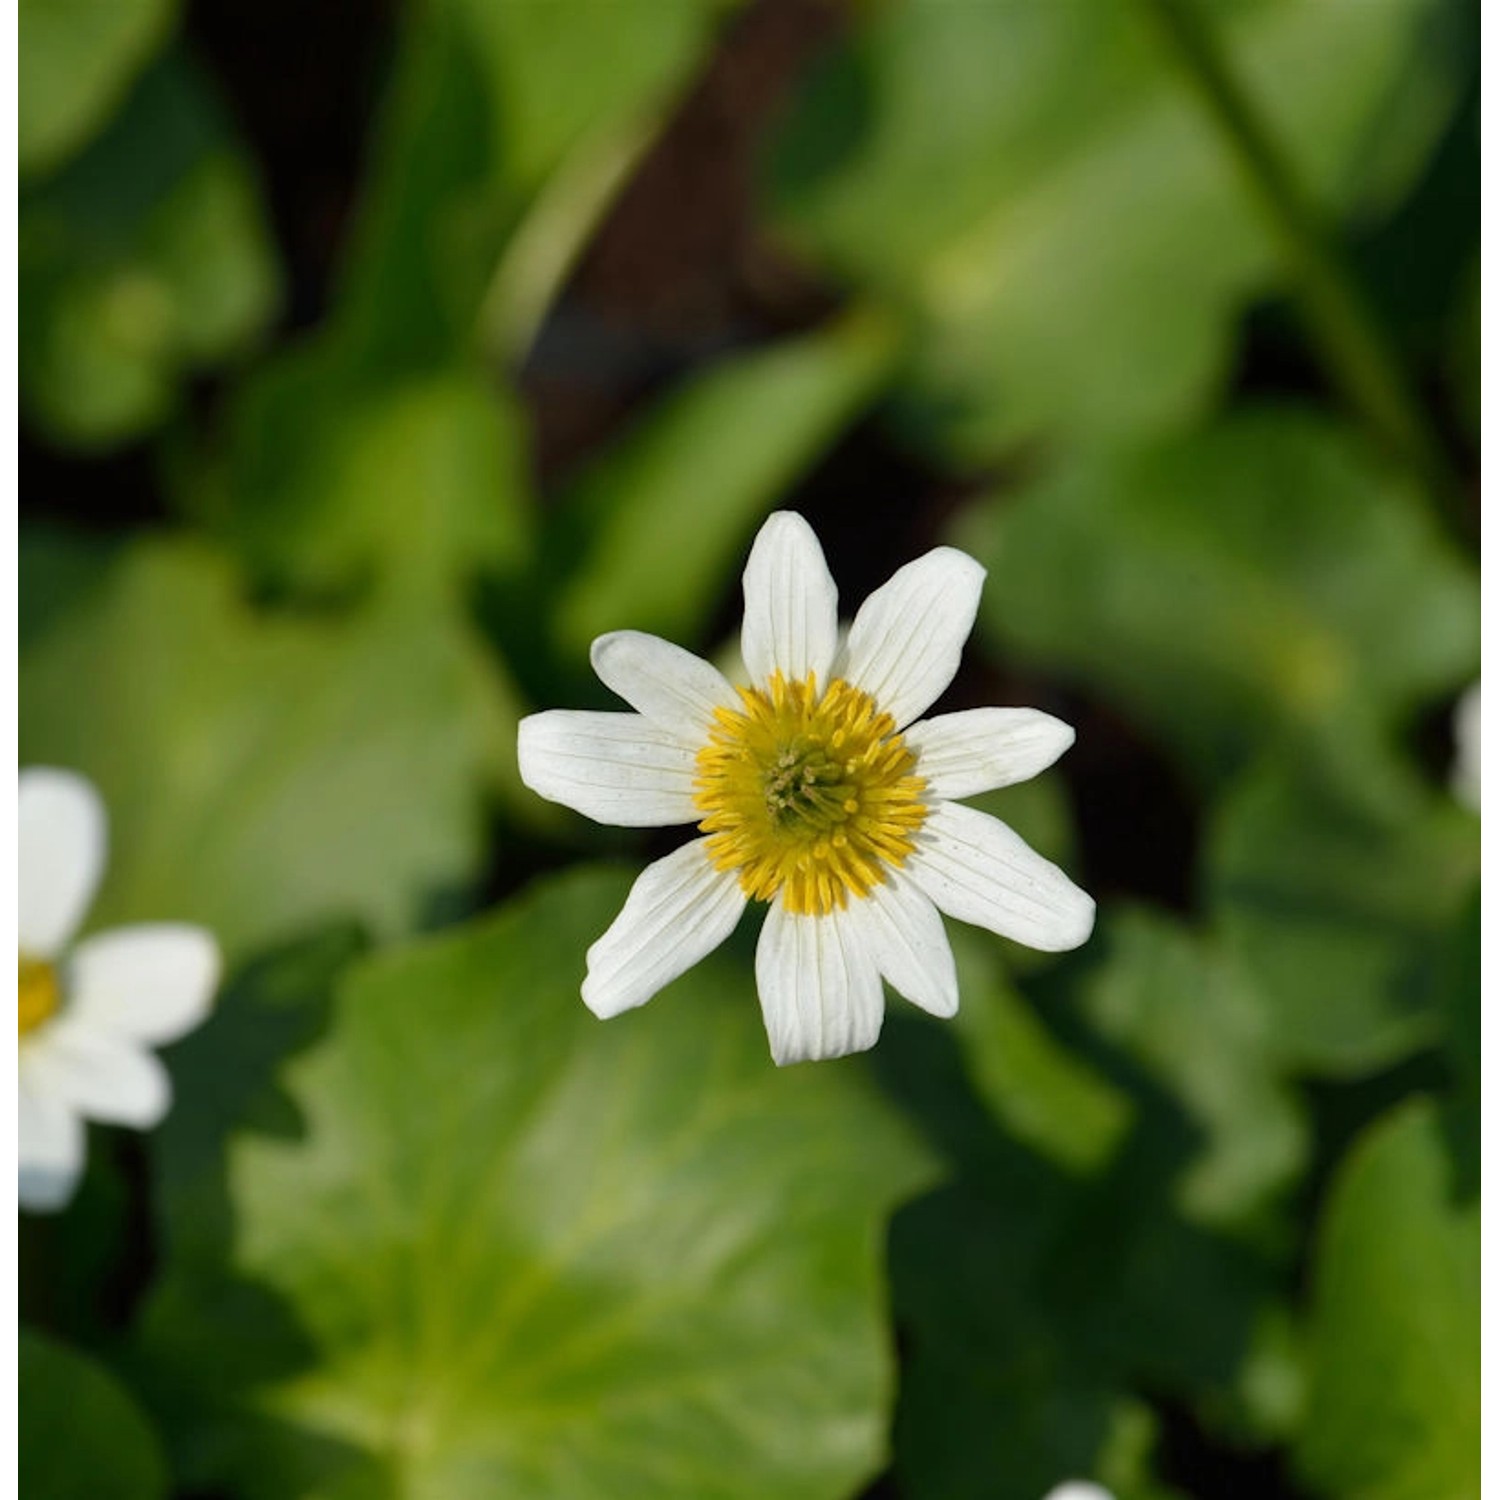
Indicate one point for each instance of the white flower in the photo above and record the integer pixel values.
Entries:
(812, 793)
(1079, 1489)
(1466, 760)
(89, 1011)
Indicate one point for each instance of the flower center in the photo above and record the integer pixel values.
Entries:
(40, 993)
(807, 795)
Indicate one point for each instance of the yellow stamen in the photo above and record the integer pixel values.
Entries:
(808, 795)
(40, 993)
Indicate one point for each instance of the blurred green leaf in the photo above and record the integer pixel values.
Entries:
(413, 486)
(60, 573)
(1073, 257)
(74, 1266)
(382, 449)
(1393, 1409)
(487, 104)
(1459, 985)
(655, 525)
(432, 213)
(1463, 352)
(511, 1251)
(1267, 1406)
(1196, 1021)
(143, 262)
(1127, 1462)
(76, 61)
(80, 1434)
(226, 1078)
(263, 774)
(1036, 1088)
(1337, 899)
(577, 104)
(1265, 575)
(560, 71)
(1038, 1305)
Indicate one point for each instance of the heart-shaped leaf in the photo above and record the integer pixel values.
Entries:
(510, 1250)
(264, 773)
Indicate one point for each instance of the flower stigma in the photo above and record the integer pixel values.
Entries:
(808, 795)
(40, 993)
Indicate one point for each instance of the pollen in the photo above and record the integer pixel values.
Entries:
(40, 993)
(809, 795)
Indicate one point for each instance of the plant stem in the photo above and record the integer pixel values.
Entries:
(549, 240)
(1354, 346)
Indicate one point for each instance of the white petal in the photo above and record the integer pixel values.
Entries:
(102, 1077)
(49, 1150)
(679, 910)
(963, 754)
(1467, 720)
(819, 987)
(978, 870)
(613, 768)
(61, 836)
(907, 638)
(670, 686)
(1079, 1489)
(904, 933)
(151, 983)
(791, 604)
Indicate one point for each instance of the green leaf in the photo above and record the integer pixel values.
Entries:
(1337, 899)
(654, 526)
(1262, 577)
(432, 214)
(382, 450)
(1459, 986)
(79, 1432)
(144, 262)
(1462, 362)
(1073, 257)
(1040, 1304)
(505, 1249)
(1267, 1406)
(1393, 1408)
(489, 103)
(561, 71)
(264, 773)
(410, 486)
(1038, 1089)
(76, 61)
(74, 1266)
(225, 1078)
(1195, 1020)
(1042, 1093)
(1127, 1462)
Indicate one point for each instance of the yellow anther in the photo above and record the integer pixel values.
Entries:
(40, 993)
(808, 795)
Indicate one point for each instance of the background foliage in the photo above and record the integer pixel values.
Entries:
(375, 356)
